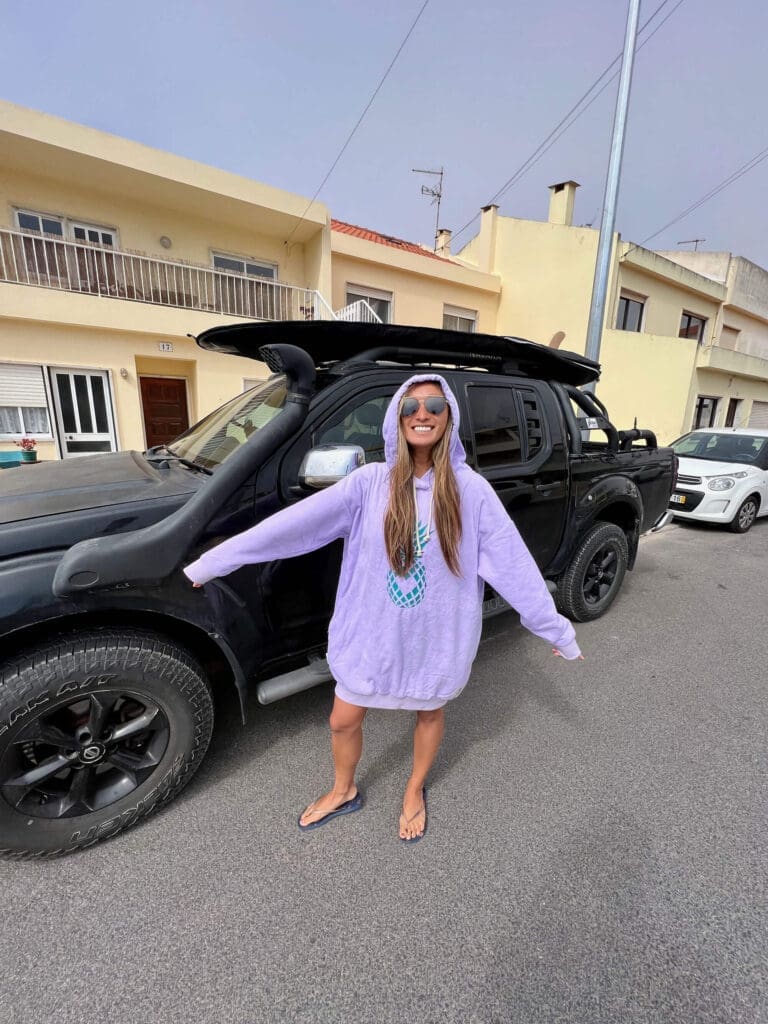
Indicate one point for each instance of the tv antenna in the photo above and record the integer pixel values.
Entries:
(436, 191)
(691, 241)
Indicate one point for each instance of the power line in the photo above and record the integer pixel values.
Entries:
(738, 173)
(561, 127)
(359, 121)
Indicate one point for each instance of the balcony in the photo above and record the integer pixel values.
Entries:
(45, 261)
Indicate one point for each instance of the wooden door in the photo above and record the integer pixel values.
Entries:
(164, 401)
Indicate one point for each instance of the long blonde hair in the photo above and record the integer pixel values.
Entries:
(400, 518)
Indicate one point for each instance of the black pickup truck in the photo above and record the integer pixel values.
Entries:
(110, 659)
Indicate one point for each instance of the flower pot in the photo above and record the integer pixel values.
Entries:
(28, 456)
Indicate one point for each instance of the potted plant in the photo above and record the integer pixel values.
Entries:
(28, 445)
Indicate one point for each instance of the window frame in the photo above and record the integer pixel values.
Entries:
(68, 225)
(245, 260)
(6, 436)
(692, 316)
(361, 291)
(460, 313)
(700, 399)
(627, 296)
(504, 467)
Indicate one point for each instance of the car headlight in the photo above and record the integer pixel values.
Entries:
(721, 483)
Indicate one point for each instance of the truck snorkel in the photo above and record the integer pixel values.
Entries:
(153, 553)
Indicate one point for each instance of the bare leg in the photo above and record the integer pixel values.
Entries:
(427, 737)
(347, 745)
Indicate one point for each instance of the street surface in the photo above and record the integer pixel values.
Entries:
(596, 848)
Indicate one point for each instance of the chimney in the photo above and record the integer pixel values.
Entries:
(443, 246)
(486, 240)
(561, 202)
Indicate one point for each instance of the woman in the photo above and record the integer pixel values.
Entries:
(421, 534)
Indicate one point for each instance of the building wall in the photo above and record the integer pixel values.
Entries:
(420, 286)
(634, 385)
(212, 378)
(140, 224)
(665, 302)
(546, 272)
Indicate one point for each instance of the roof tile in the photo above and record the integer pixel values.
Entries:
(374, 236)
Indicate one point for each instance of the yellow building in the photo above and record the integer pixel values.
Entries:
(112, 254)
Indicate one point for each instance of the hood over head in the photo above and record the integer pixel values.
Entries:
(392, 420)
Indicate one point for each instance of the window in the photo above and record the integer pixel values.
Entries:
(248, 268)
(380, 302)
(691, 327)
(457, 319)
(92, 233)
(60, 227)
(23, 403)
(630, 313)
(360, 425)
(495, 426)
(40, 222)
(706, 411)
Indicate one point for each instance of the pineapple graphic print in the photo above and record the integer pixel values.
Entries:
(408, 591)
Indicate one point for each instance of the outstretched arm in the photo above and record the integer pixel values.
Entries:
(309, 524)
(506, 563)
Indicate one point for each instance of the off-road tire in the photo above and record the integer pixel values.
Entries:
(745, 515)
(577, 589)
(62, 682)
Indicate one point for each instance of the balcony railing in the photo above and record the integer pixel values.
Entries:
(49, 262)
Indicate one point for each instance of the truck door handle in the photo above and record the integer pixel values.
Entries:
(544, 488)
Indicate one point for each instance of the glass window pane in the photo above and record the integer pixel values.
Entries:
(100, 405)
(65, 401)
(495, 426)
(107, 238)
(9, 420)
(79, 234)
(35, 420)
(93, 236)
(52, 227)
(226, 263)
(84, 447)
(29, 222)
(83, 405)
(255, 270)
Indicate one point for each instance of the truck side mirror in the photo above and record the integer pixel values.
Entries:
(328, 463)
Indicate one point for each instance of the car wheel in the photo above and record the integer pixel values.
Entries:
(96, 732)
(593, 579)
(745, 516)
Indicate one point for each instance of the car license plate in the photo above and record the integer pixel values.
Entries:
(678, 499)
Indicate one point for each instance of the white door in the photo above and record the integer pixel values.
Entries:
(83, 411)
(758, 417)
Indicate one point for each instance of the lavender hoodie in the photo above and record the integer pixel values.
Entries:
(404, 642)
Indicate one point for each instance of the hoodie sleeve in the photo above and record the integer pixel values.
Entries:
(505, 562)
(305, 526)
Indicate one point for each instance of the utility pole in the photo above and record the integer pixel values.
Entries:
(605, 243)
(436, 191)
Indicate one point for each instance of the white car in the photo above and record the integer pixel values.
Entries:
(722, 477)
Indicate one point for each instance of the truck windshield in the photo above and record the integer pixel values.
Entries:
(211, 441)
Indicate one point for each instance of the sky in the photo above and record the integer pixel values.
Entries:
(272, 90)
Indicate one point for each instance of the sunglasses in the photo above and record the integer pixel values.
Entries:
(434, 404)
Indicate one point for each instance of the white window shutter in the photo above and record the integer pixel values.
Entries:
(22, 385)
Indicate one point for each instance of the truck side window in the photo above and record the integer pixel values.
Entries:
(495, 426)
(359, 425)
(533, 422)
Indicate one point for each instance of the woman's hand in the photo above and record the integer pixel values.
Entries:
(557, 654)
(197, 585)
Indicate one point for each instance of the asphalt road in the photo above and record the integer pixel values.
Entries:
(595, 850)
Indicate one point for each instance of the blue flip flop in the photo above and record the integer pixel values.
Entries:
(415, 839)
(346, 808)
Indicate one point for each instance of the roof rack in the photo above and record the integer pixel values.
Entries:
(336, 341)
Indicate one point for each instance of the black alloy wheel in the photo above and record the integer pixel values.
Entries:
(591, 582)
(84, 755)
(97, 731)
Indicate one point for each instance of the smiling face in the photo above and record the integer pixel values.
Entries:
(424, 429)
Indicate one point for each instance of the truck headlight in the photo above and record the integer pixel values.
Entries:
(721, 483)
